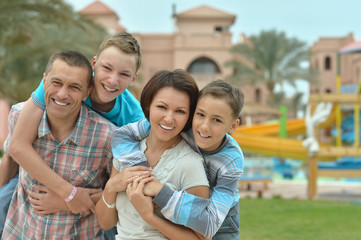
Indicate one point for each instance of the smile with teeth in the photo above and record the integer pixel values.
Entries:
(109, 89)
(203, 136)
(60, 103)
(165, 127)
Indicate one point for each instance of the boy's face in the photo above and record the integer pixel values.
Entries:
(114, 71)
(213, 118)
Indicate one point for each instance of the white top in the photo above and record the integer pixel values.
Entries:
(179, 168)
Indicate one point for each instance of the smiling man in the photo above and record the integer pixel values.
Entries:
(74, 143)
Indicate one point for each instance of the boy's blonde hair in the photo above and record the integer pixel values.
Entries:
(125, 42)
(231, 95)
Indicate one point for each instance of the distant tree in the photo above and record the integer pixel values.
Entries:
(30, 32)
(270, 58)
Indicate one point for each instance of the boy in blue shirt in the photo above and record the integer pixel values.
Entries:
(216, 116)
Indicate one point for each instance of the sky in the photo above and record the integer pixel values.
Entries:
(307, 20)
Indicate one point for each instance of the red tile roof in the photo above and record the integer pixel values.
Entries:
(97, 7)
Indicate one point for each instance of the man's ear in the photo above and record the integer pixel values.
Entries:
(133, 80)
(234, 126)
(44, 79)
(87, 93)
(94, 62)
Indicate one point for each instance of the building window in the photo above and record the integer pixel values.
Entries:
(203, 65)
(327, 63)
(258, 95)
(218, 29)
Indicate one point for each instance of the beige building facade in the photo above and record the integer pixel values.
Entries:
(200, 44)
(324, 59)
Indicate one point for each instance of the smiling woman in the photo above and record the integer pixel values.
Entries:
(168, 101)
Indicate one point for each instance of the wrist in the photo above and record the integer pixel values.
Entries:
(71, 195)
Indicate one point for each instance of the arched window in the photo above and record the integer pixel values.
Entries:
(203, 65)
(258, 95)
(327, 63)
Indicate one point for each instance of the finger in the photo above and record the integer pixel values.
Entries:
(93, 190)
(40, 188)
(130, 180)
(138, 168)
(33, 195)
(147, 180)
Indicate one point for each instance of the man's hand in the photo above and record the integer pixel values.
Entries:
(44, 201)
(82, 202)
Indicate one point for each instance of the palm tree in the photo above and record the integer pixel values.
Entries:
(31, 31)
(270, 58)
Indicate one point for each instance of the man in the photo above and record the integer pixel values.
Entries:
(74, 143)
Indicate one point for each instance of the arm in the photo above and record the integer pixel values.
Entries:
(8, 169)
(125, 144)
(20, 148)
(118, 181)
(210, 213)
(44, 201)
(145, 207)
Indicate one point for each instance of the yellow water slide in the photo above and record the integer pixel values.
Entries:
(263, 138)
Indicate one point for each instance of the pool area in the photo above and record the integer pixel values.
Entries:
(277, 169)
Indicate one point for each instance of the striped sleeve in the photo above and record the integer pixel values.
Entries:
(202, 215)
(125, 144)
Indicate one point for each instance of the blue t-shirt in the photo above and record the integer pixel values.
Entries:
(126, 108)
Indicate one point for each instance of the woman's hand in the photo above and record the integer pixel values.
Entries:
(143, 204)
(120, 181)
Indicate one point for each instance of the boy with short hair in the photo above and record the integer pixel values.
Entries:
(216, 116)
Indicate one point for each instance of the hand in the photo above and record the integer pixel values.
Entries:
(120, 181)
(143, 204)
(152, 188)
(82, 203)
(44, 201)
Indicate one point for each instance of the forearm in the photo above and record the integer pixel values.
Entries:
(107, 217)
(22, 151)
(207, 214)
(125, 144)
(8, 169)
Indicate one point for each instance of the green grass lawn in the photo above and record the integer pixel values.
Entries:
(268, 219)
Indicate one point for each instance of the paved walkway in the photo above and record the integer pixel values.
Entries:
(339, 191)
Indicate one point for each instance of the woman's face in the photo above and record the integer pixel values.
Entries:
(168, 113)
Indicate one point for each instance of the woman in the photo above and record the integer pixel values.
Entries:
(168, 101)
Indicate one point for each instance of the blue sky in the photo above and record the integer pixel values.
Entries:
(305, 19)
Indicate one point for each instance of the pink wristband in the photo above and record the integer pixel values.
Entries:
(71, 196)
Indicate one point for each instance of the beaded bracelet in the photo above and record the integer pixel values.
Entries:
(72, 195)
(107, 204)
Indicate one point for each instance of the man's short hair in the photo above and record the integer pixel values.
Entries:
(126, 43)
(73, 59)
(222, 90)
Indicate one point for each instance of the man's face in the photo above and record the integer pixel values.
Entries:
(114, 71)
(65, 89)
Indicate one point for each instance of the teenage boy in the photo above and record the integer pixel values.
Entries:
(74, 143)
(216, 116)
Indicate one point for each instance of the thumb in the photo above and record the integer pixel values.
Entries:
(93, 190)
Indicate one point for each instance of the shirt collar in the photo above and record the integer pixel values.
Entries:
(74, 136)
